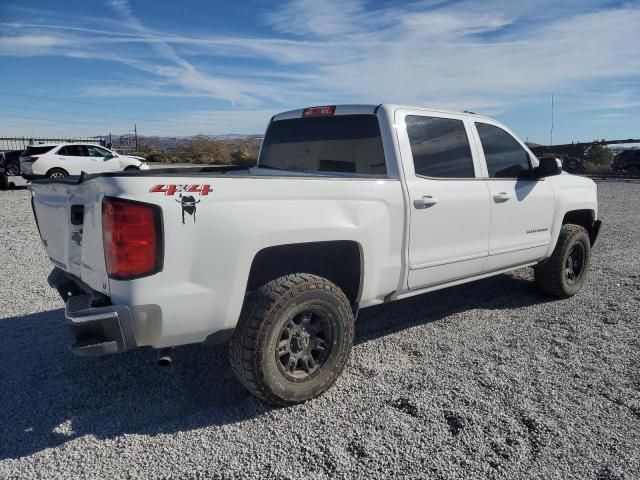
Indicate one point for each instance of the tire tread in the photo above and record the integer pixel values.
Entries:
(247, 342)
(549, 273)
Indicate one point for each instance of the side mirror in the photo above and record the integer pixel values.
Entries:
(547, 167)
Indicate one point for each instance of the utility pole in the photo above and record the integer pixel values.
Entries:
(552, 108)
(135, 133)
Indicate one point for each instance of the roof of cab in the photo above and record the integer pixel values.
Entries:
(355, 109)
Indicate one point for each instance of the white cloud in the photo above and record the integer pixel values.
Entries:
(22, 45)
(487, 56)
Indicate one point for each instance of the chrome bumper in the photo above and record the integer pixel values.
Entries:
(98, 327)
(99, 330)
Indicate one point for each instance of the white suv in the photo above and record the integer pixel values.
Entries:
(60, 160)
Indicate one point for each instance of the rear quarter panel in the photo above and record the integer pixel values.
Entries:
(207, 258)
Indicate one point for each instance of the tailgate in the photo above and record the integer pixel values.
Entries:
(69, 219)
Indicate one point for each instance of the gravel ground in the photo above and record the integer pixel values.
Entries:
(484, 380)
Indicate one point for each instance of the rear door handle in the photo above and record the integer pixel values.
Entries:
(425, 202)
(502, 197)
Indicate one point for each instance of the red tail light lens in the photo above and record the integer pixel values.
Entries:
(132, 237)
(324, 111)
(31, 159)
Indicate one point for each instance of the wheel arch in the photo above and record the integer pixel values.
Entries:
(340, 261)
(585, 218)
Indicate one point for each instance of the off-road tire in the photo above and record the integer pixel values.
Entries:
(550, 275)
(266, 312)
(57, 173)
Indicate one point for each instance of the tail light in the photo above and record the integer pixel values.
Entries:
(30, 159)
(324, 111)
(132, 237)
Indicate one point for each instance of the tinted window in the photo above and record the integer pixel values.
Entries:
(341, 143)
(504, 155)
(35, 150)
(97, 151)
(13, 155)
(74, 151)
(440, 147)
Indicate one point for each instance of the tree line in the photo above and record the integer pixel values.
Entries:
(203, 150)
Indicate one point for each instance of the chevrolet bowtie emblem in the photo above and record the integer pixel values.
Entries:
(77, 237)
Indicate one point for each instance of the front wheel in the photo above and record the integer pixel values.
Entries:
(293, 339)
(130, 168)
(563, 274)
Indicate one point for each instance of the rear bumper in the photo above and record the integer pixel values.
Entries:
(98, 328)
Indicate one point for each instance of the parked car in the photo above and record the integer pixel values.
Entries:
(349, 207)
(628, 161)
(12, 162)
(61, 160)
(4, 181)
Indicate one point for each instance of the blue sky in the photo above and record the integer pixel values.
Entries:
(215, 67)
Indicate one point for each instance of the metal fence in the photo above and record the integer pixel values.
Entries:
(20, 143)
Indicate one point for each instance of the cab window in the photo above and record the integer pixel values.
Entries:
(440, 147)
(505, 157)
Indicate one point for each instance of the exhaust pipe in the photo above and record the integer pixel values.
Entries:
(164, 356)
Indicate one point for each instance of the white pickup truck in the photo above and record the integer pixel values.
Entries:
(349, 206)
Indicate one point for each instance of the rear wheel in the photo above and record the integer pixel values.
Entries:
(57, 173)
(12, 170)
(293, 339)
(563, 274)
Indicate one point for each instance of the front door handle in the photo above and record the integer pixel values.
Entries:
(502, 197)
(425, 202)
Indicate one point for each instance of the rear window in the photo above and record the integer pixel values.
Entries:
(36, 150)
(340, 144)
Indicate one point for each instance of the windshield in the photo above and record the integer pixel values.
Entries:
(342, 144)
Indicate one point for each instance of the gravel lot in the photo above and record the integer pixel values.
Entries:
(484, 380)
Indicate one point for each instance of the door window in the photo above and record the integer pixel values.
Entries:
(97, 151)
(504, 155)
(440, 147)
(74, 151)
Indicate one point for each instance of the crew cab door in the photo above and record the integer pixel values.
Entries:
(448, 200)
(522, 207)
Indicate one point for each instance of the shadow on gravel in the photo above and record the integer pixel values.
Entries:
(49, 397)
(500, 292)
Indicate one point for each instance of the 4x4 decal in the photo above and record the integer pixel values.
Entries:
(186, 196)
(171, 190)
